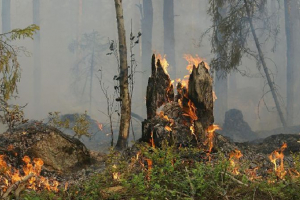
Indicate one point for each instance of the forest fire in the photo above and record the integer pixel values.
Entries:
(278, 155)
(30, 175)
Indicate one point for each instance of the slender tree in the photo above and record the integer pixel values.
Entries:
(221, 81)
(6, 16)
(292, 30)
(36, 55)
(169, 37)
(236, 29)
(123, 80)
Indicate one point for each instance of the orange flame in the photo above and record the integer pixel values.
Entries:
(210, 136)
(194, 61)
(34, 168)
(163, 61)
(274, 156)
(100, 126)
(234, 156)
(168, 128)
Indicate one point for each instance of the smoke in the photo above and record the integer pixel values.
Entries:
(60, 26)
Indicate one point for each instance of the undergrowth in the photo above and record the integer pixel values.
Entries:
(172, 173)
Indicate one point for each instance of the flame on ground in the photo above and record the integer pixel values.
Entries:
(11, 175)
(100, 126)
(210, 136)
(234, 156)
(276, 155)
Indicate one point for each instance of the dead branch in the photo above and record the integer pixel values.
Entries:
(16, 185)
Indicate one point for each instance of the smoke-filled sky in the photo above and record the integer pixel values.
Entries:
(61, 24)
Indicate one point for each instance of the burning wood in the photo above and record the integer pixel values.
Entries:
(11, 177)
(192, 108)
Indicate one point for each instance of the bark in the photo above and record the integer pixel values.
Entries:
(124, 89)
(37, 60)
(201, 94)
(178, 117)
(264, 65)
(169, 37)
(6, 16)
(147, 25)
(292, 29)
(159, 90)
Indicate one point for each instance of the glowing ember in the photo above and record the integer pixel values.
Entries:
(152, 140)
(252, 174)
(168, 128)
(274, 156)
(163, 61)
(214, 96)
(234, 156)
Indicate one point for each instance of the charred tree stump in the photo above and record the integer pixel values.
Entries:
(182, 120)
(159, 89)
(200, 92)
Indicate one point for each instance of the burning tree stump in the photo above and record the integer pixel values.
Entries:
(200, 93)
(159, 89)
(183, 120)
(58, 151)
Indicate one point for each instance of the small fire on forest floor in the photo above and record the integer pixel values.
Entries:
(15, 180)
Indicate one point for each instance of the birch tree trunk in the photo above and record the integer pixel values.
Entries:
(264, 65)
(124, 92)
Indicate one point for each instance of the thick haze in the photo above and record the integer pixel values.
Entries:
(59, 27)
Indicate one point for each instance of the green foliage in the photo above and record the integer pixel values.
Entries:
(231, 31)
(10, 74)
(12, 116)
(10, 71)
(173, 174)
(80, 126)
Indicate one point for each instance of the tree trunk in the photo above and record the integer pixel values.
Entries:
(221, 81)
(124, 92)
(147, 25)
(292, 29)
(6, 16)
(36, 56)
(91, 78)
(262, 59)
(221, 90)
(169, 38)
(174, 119)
